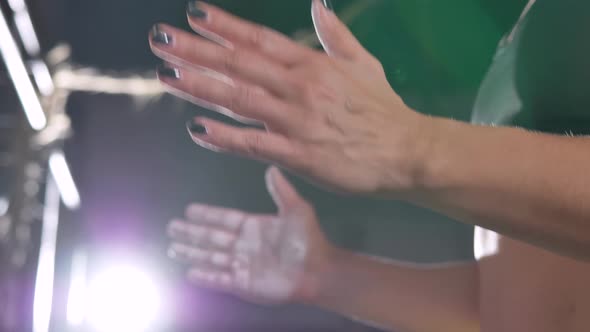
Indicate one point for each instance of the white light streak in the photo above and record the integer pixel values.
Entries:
(17, 5)
(25, 28)
(43, 299)
(19, 75)
(4, 205)
(63, 178)
(42, 77)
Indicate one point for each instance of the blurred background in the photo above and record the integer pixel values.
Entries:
(94, 159)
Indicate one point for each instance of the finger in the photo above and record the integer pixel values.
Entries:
(247, 142)
(229, 220)
(201, 237)
(200, 257)
(183, 48)
(168, 71)
(283, 193)
(210, 106)
(335, 36)
(217, 24)
(211, 278)
(237, 97)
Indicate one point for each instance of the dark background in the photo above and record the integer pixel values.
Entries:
(136, 167)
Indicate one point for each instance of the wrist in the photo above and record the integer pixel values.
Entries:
(441, 152)
(410, 168)
(319, 282)
(429, 147)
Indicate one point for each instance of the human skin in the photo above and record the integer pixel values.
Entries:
(285, 258)
(334, 119)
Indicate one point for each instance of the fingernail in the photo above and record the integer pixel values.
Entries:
(159, 36)
(328, 4)
(168, 72)
(196, 128)
(194, 11)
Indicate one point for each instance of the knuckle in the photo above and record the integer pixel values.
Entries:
(260, 36)
(241, 99)
(231, 62)
(254, 145)
(375, 63)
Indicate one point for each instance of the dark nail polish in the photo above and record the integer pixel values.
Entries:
(328, 4)
(160, 37)
(194, 11)
(168, 72)
(196, 128)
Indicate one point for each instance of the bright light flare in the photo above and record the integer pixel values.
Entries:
(76, 307)
(123, 298)
(20, 77)
(64, 180)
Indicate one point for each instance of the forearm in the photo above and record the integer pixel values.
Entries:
(530, 186)
(400, 297)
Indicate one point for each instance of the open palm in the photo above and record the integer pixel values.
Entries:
(262, 258)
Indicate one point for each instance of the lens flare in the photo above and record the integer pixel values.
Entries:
(123, 298)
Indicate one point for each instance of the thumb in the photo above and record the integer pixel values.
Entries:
(282, 192)
(334, 35)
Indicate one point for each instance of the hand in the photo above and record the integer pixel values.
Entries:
(332, 118)
(265, 259)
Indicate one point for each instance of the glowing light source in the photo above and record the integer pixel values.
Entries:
(19, 75)
(63, 178)
(123, 298)
(76, 307)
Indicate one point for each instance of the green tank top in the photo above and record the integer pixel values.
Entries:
(540, 75)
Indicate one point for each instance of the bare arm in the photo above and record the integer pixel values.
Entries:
(529, 186)
(281, 258)
(336, 120)
(402, 297)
